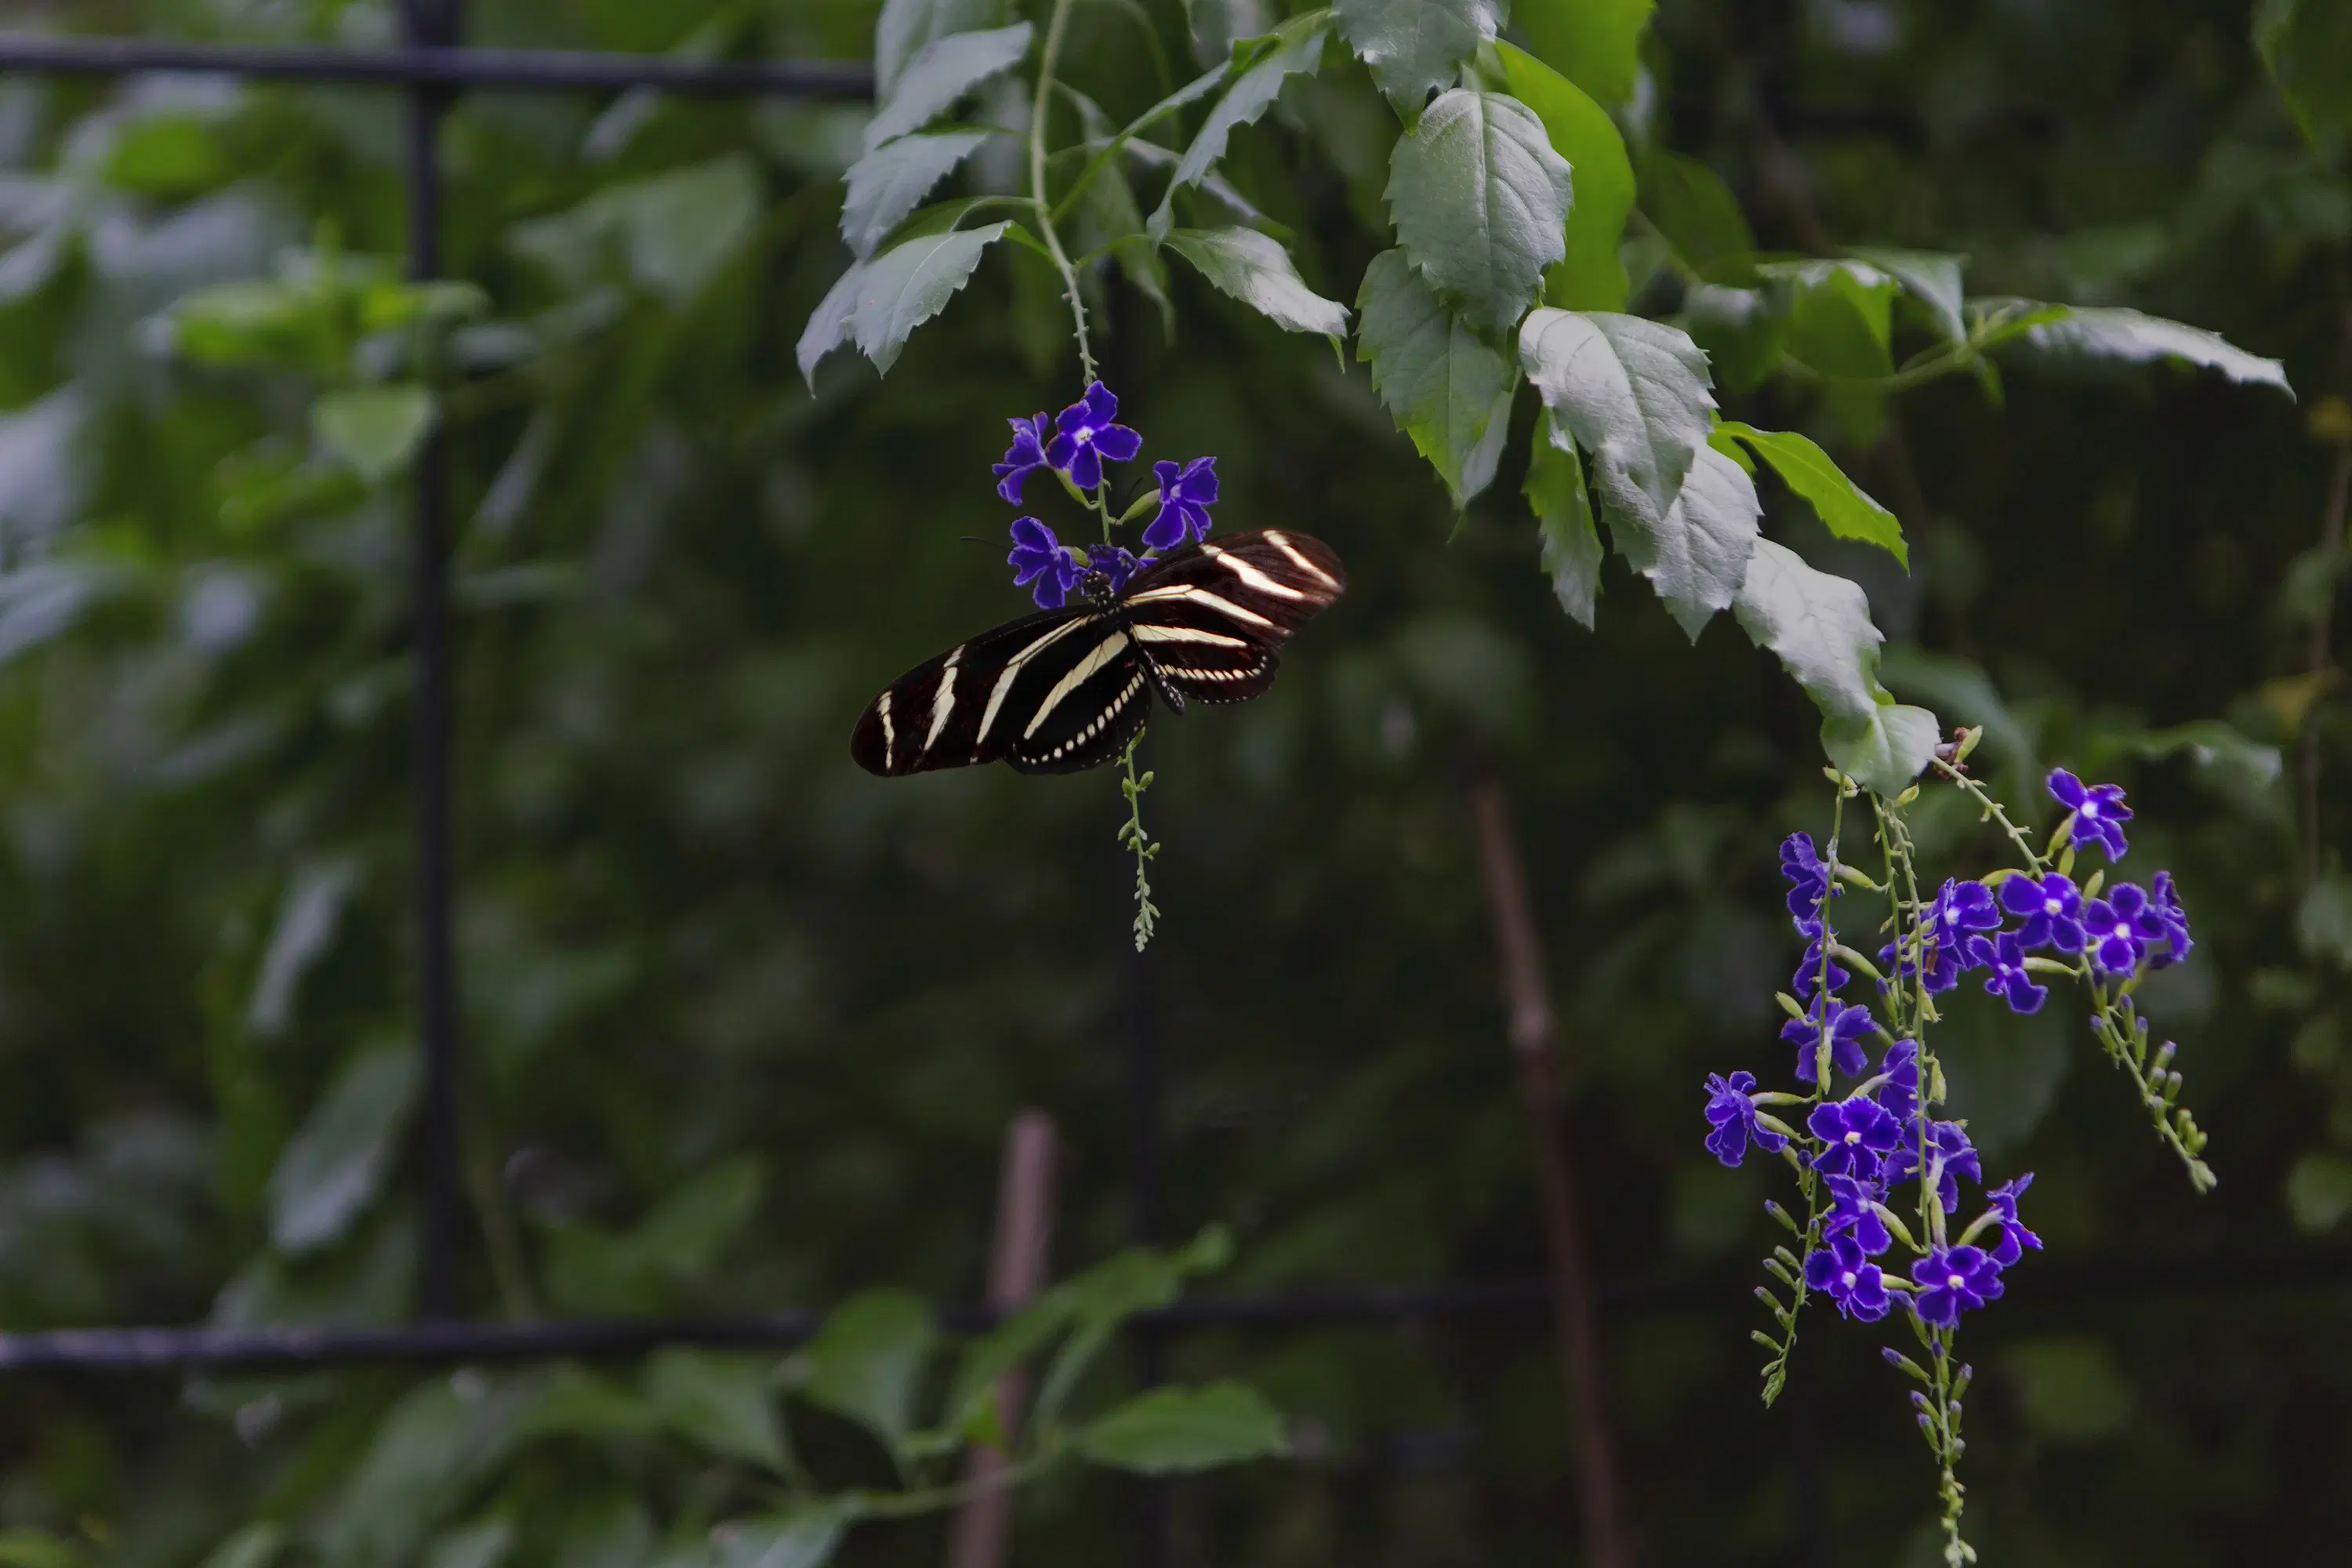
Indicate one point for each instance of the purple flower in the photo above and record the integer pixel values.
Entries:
(1898, 1090)
(2009, 979)
(1039, 556)
(2176, 922)
(1857, 1136)
(1953, 1280)
(2099, 811)
(2050, 908)
(1846, 1023)
(1839, 1271)
(1731, 1112)
(1185, 496)
(2122, 926)
(1950, 1156)
(1025, 457)
(1809, 975)
(1809, 880)
(2015, 1237)
(1085, 434)
(1852, 1212)
(1113, 562)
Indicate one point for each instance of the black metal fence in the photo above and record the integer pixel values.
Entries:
(429, 70)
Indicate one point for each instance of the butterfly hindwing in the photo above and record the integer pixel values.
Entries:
(1210, 616)
(962, 707)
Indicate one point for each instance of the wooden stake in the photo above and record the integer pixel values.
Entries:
(1534, 1032)
(1016, 1272)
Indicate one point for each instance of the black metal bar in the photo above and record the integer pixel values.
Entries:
(139, 1349)
(550, 70)
(435, 24)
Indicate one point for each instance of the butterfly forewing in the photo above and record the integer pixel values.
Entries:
(1067, 690)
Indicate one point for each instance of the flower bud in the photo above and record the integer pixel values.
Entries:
(1968, 738)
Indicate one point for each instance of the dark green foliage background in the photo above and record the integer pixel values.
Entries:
(747, 1025)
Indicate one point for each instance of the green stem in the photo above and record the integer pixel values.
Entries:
(1040, 111)
(1132, 834)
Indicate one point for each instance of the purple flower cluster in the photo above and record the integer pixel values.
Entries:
(1075, 444)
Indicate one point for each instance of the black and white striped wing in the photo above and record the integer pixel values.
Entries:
(1210, 616)
(1052, 693)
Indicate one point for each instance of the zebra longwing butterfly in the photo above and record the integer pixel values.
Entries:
(1067, 690)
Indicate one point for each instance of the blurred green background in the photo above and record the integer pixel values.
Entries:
(745, 1025)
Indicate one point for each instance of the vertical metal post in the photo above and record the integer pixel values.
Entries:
(433, 22)
(1156, 1546)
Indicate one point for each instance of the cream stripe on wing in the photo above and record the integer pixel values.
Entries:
(1249, 575)
(1185, 634)
(1012, 669)
(1304, 564)
(943, 699)
(889, 731)
(1202, 596)
(1101, 654)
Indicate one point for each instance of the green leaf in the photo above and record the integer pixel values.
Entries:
(171, 156)
(1633, 393)
(891, 182)
(483, 1544)
(1415, 46)
(1844, 510)
(804, 1536)
(1588, 276)
(906, 27)
(940, 73)
(724, 1404)
(22, 1547)
(1596, 44)
(1481, 203)
(2115, 333)
(2318, 1193)
(2240, 766)
(677, 1243)
(1885, 750)
(1572, 543)
(1696, 554)
(900, 289)
(426, 1454)
(2323, 924)
(1817, 625)
(1841, 322)
(1446, 387)
(1172, 1431)
(1693, 209)
(1256, 270)
(336, 1165)
(829, 324)
(1741, 331)
(680, 226)
(257, 1545)
(377, 430)
(867, 1361)
(1932, 277)
(1299, 48)
(310, 912)
(2307, 45)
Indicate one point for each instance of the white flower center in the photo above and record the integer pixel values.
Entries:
(1848, 1277)
(1852, 1138)
(1084, 436)
(2090, 810)
(2051, 905)
(1953, 1280)
(2123, 929)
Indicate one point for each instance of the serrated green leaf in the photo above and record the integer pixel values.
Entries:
(2307, 45)
(1741, 331)
(333, 1168)
(1444, 386)
(1695, 554)
(890, 183)
(1932, 277)
(905, 26)
(377, 430)
(1817, 625)
(867, 1361)
(904, 287)
(1172, 1431)
(723, 1404)
(1885, 750)
(1414, 47)
(1481, 203)
(1841, 321)
(1632, 392)
(1843, 505)
(940, 73)
(1588, 276)
(1693, 209)
(1255, 269)
(1571, 543)
(1596, 44)
(2115, 333)
(1251, 95)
